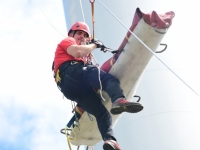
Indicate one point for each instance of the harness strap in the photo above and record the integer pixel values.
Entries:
(63, 66)
(52, 67)
(75, 118)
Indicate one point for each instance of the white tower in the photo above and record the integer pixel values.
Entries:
(170, 119)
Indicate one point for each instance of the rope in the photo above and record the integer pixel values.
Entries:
(48, 19)
(97, 65)
(92, 6)
(150, 50)
(100, 84)
(82, 11)
(69, 138)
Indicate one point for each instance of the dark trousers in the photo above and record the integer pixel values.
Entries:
(78, 83)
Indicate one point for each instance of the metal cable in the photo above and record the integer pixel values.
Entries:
(97, 65)
(82, 10)
(48, 19)
(149, 49)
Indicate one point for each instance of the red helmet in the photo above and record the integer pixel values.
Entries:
(80, 26)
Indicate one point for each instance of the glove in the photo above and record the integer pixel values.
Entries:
(98, 43)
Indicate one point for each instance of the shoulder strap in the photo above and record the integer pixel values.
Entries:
(53, 70)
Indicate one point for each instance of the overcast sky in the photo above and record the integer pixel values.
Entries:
(32, 109)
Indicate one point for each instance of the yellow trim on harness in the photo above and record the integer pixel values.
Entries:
(74, 62)
(70, 138)
(58, 78)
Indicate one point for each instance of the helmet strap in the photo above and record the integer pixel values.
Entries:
(73, 33)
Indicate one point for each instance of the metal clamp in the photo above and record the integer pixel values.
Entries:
(163, 49)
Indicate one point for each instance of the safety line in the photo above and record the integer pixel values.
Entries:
(65, 36)
(149, 49)
(48, 19)
(82, 11)
(97, 65)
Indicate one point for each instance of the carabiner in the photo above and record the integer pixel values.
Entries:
(92, 1)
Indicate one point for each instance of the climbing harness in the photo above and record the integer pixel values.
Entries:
(97, 65)
(57, 77)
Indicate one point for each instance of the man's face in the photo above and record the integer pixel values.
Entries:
(81, 37)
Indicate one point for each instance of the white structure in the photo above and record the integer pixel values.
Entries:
(170, 118)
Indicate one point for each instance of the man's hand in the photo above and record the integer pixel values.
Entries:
(98, 43)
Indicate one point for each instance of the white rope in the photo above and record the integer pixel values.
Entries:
(97, 65)
(149, 49)
(48, 19)
(82, 11)
(51, 25)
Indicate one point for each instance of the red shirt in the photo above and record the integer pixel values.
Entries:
(61, 54)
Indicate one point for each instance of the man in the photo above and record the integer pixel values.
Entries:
(77, 79)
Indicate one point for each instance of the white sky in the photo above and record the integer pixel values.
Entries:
(32, 109)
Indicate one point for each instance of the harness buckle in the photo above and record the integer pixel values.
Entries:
(73, 62)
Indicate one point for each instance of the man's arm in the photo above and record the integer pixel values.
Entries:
(80, 50)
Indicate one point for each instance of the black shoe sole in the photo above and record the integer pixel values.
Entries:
(108, 147)
(130, 108)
